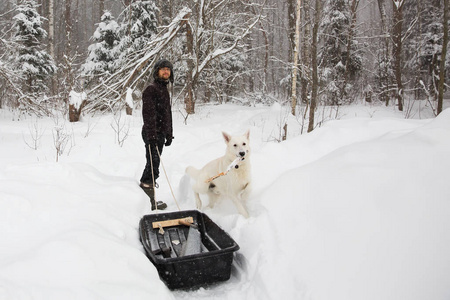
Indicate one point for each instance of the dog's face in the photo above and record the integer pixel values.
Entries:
(237, 146)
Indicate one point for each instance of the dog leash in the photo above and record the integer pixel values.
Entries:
(234, 164)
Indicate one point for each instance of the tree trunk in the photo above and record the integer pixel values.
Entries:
(292, 24)
(159, 12)
(127, 2)
(39, 8)
(189, 97)
(68, 27)
(314, 65)
(295, 59)
(306, 56)
(266, 56)
(350, 36)
(75, 112)
(128, 110)
(101, 8)
(397, 49)
(443, 58)
(384, 30)
(385, 37)
(51, 38)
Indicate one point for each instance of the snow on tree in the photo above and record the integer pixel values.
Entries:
(223, 76)
(102, 53)
(32, 60)
(138, 26)
(76, 103)
(112, 90)
(339, 58)
(204, 42)
(423, 50)
(214, 33)
(384, 75)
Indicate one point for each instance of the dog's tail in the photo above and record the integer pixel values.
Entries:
(193, 172)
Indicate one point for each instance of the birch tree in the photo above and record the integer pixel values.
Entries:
(305, 53)
(295, 59)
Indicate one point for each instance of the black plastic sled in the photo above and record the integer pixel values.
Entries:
(187, 248)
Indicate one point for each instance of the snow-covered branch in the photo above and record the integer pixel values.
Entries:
(138, 63)
(218, 52)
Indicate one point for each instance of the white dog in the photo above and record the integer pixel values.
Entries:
(227, 176)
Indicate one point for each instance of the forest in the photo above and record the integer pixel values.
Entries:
(80, 57)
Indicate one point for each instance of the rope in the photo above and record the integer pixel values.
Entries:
(234, 164)
(153, 175)
(168, 181)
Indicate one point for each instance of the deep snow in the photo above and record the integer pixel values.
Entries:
(357, 209)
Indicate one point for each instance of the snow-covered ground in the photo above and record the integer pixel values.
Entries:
(357, 209)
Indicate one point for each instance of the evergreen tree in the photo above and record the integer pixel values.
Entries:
(384, 74)
(102, 53)
(431, 48)
(337, 64)
(138, 25)
(33, 61)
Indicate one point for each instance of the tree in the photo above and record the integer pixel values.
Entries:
(51, 30)
(339, 60)
(384, 71)
(397, 36)
(51, 37)
(295, 58)
(430, 42)
(113, 88)
(9, 75)
(305, 53)
(208, 39)
(68, 27)
(102, 54)
(314, 66)
(138, 25)
(33, 61)
(443, 58)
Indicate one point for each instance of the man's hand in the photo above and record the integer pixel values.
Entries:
(168, 141)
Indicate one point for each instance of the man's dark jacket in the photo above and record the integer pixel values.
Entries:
(156, 112)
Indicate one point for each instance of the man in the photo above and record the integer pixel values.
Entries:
(157, 130)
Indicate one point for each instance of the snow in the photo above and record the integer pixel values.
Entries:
(76, 98)
(129, 98)
(357, 209)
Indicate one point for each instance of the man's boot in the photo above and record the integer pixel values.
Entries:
(150, 191)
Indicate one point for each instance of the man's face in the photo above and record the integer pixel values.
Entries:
(164, 73)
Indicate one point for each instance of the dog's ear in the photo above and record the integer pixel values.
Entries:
(247, 134)
(226, 136)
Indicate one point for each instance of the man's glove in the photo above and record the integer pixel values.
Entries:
(168, 141)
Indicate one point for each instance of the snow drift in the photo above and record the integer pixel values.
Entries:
(357, 209)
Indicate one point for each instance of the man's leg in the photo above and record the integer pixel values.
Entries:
(150, 174)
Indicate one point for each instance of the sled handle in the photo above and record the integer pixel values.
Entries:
(174, 222)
